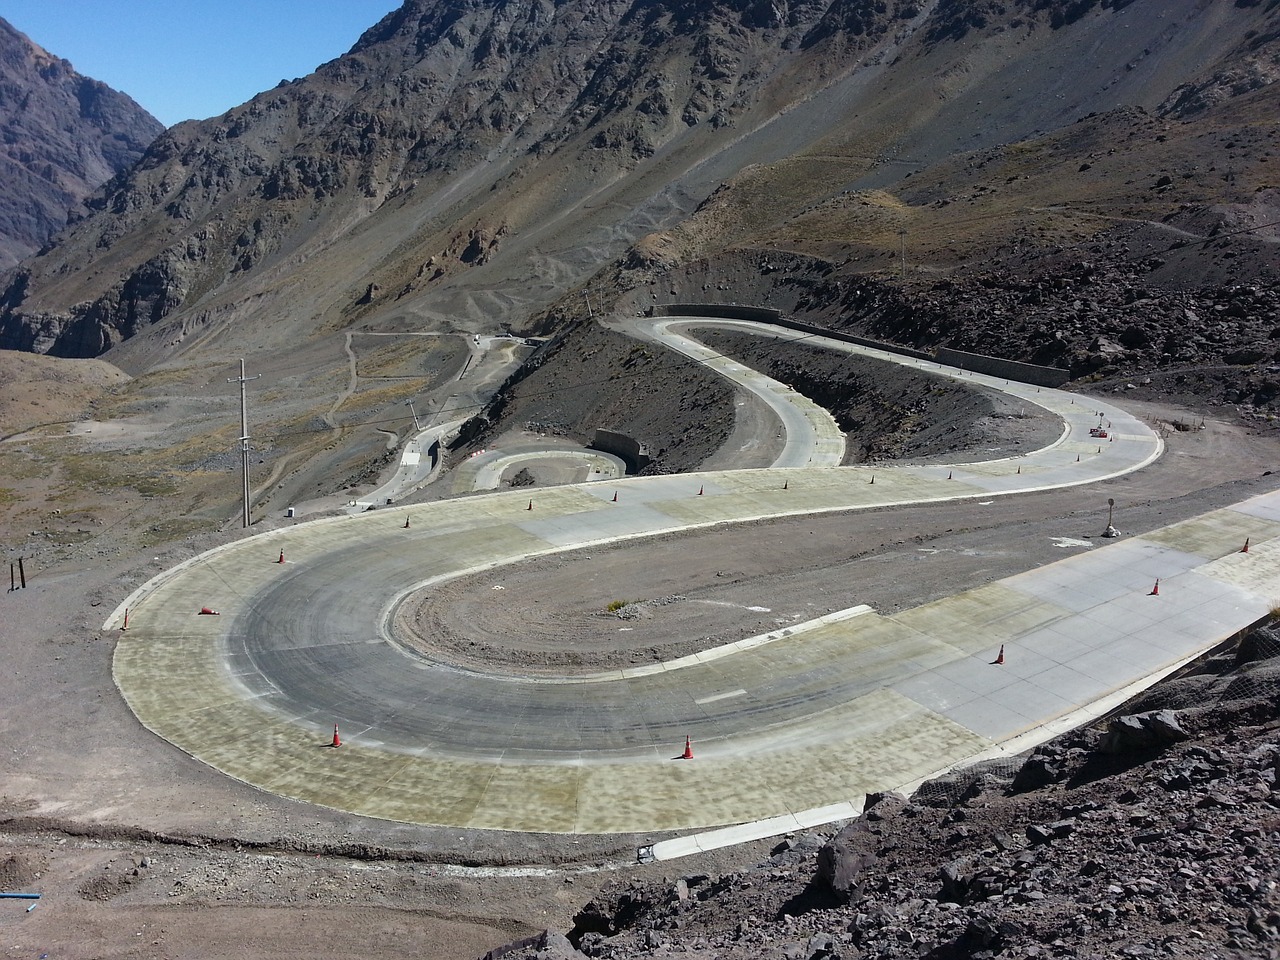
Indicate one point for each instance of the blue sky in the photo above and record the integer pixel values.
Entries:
(192, 59)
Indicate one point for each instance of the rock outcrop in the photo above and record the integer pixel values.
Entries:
(487, 118)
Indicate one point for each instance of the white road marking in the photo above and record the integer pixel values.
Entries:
(721, 696)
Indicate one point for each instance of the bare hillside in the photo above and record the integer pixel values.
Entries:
(37, 391)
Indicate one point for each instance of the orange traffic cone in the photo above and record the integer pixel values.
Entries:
(688, 750)
(1019, 469)
(1155, 591)
(999, 656)
(530, 506)
(406, 523)
(1245, 548)
(948, 474)
(206, 612)
(281, 560)
(615, 496)
(337, 741)
(699, 491)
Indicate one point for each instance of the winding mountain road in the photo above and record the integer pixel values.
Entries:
(794, 725)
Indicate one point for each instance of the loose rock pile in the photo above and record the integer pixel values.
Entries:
(1113, 314)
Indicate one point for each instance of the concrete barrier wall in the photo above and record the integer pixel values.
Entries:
(734, 311)
(854, 338)
(1008, 369)
(631, 450)
(730, 311)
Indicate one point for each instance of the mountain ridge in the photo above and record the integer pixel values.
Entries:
(407, 179)
(64, 136)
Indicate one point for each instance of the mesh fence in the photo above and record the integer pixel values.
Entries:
(1256, 681)
(1177, 694)
(957, 785)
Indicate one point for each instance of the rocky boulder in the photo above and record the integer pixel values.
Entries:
(1142, 732)
(846, 858)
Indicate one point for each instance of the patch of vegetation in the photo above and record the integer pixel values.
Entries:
(616, 605)
(383, 396)
(18, 464)
(169, 531)
(164, 378)
(425, 357)
(82, 470)
(67, 538)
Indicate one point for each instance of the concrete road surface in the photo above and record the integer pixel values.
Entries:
(810, 717)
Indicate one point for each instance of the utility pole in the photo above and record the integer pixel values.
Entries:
(409, 404)
(244, 436)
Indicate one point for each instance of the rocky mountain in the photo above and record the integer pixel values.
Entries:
(65, 135)
(470, 162)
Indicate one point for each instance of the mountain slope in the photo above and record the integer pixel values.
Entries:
(475, 160)
(447, 128)
(64, 136)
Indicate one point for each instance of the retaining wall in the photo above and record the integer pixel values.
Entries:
(632, 451)
(854, 338)
(730, 311)
(977, 362)
(734, 311)
(1006, 369)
